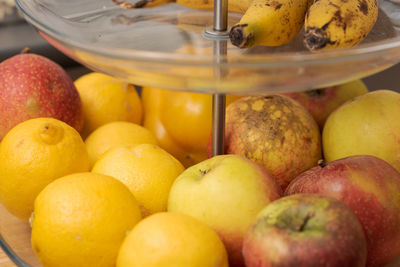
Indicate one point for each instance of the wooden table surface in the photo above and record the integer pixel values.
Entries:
(5, 261)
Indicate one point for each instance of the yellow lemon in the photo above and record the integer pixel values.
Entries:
(116, 134)
(168, 239)
(146, 169)
(33, 154)
(81, 220)
(106, 99)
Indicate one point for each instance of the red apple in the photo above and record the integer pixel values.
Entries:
(33, 86)
(322, 102)
(305, 230)
(226, 192)
(371, 188)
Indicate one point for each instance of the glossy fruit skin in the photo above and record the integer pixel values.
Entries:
(81, 220)
(370, 187)
(169, 239)
(181, 121)
(275, 132)
(33, 154)
(146, 169)
(33, 86)
(106, 99)
(225, 192)
(305, 230)
(322, 102)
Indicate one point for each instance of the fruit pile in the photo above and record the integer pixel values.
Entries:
(106, 177)
(327, 23)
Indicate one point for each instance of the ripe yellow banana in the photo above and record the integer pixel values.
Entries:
(238, 6)
(339, 23)
(269, 23)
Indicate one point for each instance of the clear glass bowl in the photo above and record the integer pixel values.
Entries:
(164, 47)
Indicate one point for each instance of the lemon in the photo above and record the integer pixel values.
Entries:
(33, 154)
(81, 220)
(106, 99)
(147, 170)
(168, 239)
(116, 134)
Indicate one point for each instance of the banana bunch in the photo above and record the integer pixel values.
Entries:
(327, 23)
(269, 23)
(339, 23)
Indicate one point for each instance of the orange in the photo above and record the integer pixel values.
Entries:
(169, 239)
(147, 170)
(81, 220)
(33, 154)
(106, 99)
(181, 121)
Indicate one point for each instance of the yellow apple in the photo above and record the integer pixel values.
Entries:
(226, 192)
(367, 125)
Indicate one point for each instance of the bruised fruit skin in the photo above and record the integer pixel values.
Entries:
(33, 86)
(370, 187)
(274, 131)
(305, 230)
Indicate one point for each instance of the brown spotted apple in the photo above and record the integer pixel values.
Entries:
(226, 192)
(371, 188)
(274, 131)
(322, 102)
(305, 230)
(33, 86)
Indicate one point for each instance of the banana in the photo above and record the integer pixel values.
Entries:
(237, 6)
(339, 23)
(269, 23)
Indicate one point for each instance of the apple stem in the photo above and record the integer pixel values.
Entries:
(306, 219)
(321, 163)
(25, 50)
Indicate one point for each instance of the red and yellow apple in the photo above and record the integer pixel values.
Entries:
(275, 132)
(226, 192)
(33, 86)
(322, 102)
(371, 188)
(305, 230)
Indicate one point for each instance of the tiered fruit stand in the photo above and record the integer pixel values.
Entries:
(178, 48)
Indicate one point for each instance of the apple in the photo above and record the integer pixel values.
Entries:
(367, 125)
(323, 101)
(305, 230)
(33, 86)
(225, 192)
(371, 188)
(274, 131)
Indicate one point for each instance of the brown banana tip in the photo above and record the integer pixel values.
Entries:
(315, 38)
(238, 37)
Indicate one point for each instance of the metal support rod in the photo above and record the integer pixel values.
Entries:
(220, 15)
(220, 50)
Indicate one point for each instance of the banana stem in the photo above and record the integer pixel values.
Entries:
(238, 36)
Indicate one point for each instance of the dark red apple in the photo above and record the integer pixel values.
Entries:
(371, 188)
(33, 86)
(305, 230)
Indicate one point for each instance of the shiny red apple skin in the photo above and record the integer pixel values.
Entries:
(34, 86)
(305, 230)
(371, 188)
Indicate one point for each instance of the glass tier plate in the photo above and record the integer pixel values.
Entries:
(165, 47)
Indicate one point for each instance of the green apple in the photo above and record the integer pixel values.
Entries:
(226, 192)
(367, 125)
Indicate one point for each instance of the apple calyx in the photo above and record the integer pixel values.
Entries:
(321, 163)
(204, 172)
